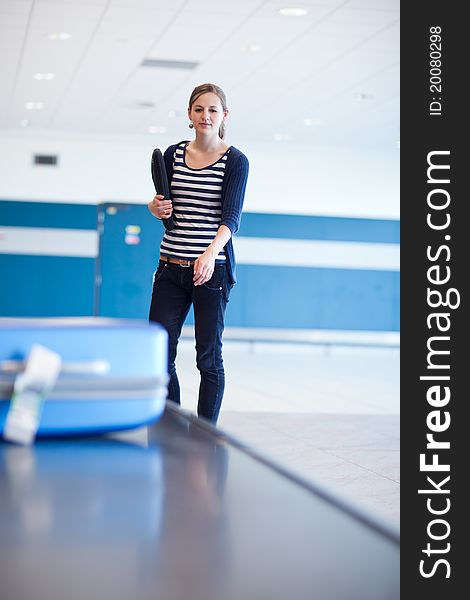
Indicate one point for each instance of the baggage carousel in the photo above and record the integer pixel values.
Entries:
(182, 512)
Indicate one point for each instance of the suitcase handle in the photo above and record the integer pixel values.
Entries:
(93, 367)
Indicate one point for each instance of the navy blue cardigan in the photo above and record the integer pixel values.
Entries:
(233, 195)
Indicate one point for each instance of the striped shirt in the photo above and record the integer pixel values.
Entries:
(197, 207)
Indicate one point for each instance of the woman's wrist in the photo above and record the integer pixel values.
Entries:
(213, 252)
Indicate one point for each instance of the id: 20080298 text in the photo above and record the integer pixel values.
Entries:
(435, 71)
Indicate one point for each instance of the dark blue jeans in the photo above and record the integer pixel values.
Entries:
(172, 296)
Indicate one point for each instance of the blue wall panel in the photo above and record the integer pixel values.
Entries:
(311, 298)
(303, 227)
(265, 295)
(46, 286)
(47, 214)
(127, 268)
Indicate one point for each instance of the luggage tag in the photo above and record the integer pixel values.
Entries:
(42, 368)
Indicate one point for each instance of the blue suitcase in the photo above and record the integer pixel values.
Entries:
(66, 376)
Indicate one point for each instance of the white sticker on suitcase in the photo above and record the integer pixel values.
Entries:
(41, 371)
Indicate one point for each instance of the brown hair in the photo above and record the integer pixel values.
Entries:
(206, 88)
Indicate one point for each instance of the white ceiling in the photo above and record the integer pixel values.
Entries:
(337, 66)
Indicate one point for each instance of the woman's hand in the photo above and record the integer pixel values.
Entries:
(204, 267)
(160, 208)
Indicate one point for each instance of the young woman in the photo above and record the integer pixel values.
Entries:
(207, 177)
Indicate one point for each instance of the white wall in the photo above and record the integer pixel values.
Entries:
(284, 177)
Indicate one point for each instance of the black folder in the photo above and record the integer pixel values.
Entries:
(160, 181)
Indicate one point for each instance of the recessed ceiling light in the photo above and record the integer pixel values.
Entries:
(293, 11)
(60, 36)
(34, 105)
(313, 122)
(282, 137)
(44, 76)
(157, 129)
(251, 48)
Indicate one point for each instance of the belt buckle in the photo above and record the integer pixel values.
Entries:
(185, 263)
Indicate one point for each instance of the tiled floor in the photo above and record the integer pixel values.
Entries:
(330, 415)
